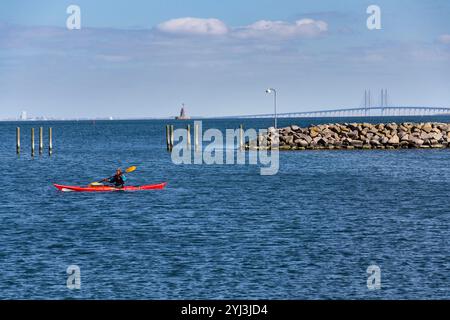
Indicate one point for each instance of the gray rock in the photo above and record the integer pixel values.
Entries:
(289, 140)
(425, 136)
(427, 127)
(417, 142)
(301, 143)
(322, 142)
(392, 126)
(357, 143)
(394, 140)
(376, 138)
(305, 137)
(317, 139)
(437, 136)
(404, 143)
(405, 137)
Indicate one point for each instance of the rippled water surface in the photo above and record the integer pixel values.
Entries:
(220, 231)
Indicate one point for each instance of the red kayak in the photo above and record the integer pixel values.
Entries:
(110, 189)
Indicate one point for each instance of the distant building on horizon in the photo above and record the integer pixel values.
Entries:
(182, 115)
(23, 116)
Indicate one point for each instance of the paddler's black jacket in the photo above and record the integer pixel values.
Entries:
(118, 180)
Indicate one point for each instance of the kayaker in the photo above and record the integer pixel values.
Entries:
(118, 179)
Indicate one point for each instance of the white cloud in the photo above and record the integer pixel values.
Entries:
(304, 28)
(194, 26)
(445, 39)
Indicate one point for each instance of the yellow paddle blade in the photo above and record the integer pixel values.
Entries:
(131, 169)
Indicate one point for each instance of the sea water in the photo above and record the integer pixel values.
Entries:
(221, 231)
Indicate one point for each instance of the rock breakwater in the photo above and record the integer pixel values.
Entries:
(355, 136)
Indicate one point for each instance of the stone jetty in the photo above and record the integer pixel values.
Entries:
(356, 136)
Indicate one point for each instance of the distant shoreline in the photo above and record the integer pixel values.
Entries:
(102, 119)
(367, 118)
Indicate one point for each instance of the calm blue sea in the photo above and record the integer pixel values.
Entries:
(221, 232)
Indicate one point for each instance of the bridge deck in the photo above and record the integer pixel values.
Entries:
(345, 112)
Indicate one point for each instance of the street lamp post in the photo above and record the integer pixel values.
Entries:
(272, 90)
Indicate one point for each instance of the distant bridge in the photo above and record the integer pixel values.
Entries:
(366, 109)
(355, 112)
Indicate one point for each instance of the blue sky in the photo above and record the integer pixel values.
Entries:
(145, 58)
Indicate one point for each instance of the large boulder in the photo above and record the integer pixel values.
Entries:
(437, 136)
(394, 140)
(289, 140)
(301, 143)
(404, 144)
(405, 137)
(357, 143)
(392, 126)
(335, 128)
(323, 142)
(314, 133)
(353, 134)
(306, 137)
(417, 142)
(316, 139)
(427, 127)
(376, 137)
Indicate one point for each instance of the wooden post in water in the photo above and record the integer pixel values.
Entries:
(188, 138)
(32, 142)
(241, 137)
(196, 135)
(18, 140)
(50, 141)
(171, 137)
(168, 137)
(41, 140)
